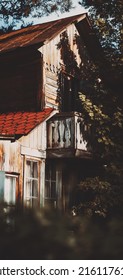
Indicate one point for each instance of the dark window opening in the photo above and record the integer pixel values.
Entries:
(50, 185)
(70, 93)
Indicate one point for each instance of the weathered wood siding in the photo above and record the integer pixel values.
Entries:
(11, 161)
(53, 65)
(13, 156)
(35, 143)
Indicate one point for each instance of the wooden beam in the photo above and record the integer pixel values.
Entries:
(33, 152)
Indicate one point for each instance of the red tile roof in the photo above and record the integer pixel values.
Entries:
(36, 34)
(21, 123)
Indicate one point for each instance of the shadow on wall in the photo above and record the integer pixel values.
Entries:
(82, 77)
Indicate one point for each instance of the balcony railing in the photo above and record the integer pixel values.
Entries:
(65, 135)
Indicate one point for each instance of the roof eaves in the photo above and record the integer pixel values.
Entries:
(40, 37)
(7, 137)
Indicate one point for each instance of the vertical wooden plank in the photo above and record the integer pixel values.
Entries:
(2, 180)
(61, 133)
(72, 131)
(39, 137)
(24, 179)
(75, 132)
(49, 134)
(31, 136)
(44, 78)
(43, 136)
(2, 155)
(55, 134)
(35, 138)
(42, 183)
(67, 133)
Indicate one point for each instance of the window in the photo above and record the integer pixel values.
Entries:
(8, 187)
(10, 190)
(69, 93)
(50, 185)
(31, 195)
(70, 88)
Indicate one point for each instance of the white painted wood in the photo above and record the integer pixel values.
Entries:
(42, 183)
(66, 132)
(32, 152)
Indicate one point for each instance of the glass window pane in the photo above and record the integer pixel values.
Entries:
(10, 190)
(47, 172)
(35, 188)
(50, 182)
(53, 190)
(34, 169)
(53, 173)
(28, 188)
(47, 189)
(2, 181)
(28, 168)
(31, 169)
(32, 183)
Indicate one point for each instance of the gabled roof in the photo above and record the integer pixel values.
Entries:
(21, 123)
(37, 34)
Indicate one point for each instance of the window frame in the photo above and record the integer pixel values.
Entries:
(15, 176)
(69, 91)
(50, 180)
(32, 179)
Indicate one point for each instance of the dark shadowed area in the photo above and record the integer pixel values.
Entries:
(49, 235)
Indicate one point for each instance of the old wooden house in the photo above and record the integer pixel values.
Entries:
(43, 153)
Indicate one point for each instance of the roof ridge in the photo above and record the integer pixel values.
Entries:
(25, 30)
(36, 34)
(44, 30)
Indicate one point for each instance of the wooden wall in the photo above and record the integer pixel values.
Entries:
(20, 81)
(13, 156)
(34, 144)
(11, 161)
(54, 64)
(30, 79)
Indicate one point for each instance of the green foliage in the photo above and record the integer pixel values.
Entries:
(16, 11)
(105, 132)
(106, 18)
(100, 107)
(97, 120)
(95, 198)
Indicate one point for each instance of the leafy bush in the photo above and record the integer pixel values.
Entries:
(93, 197)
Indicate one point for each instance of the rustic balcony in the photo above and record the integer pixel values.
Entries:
(65, 136)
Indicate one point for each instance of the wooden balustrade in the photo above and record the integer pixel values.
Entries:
(66, 131)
